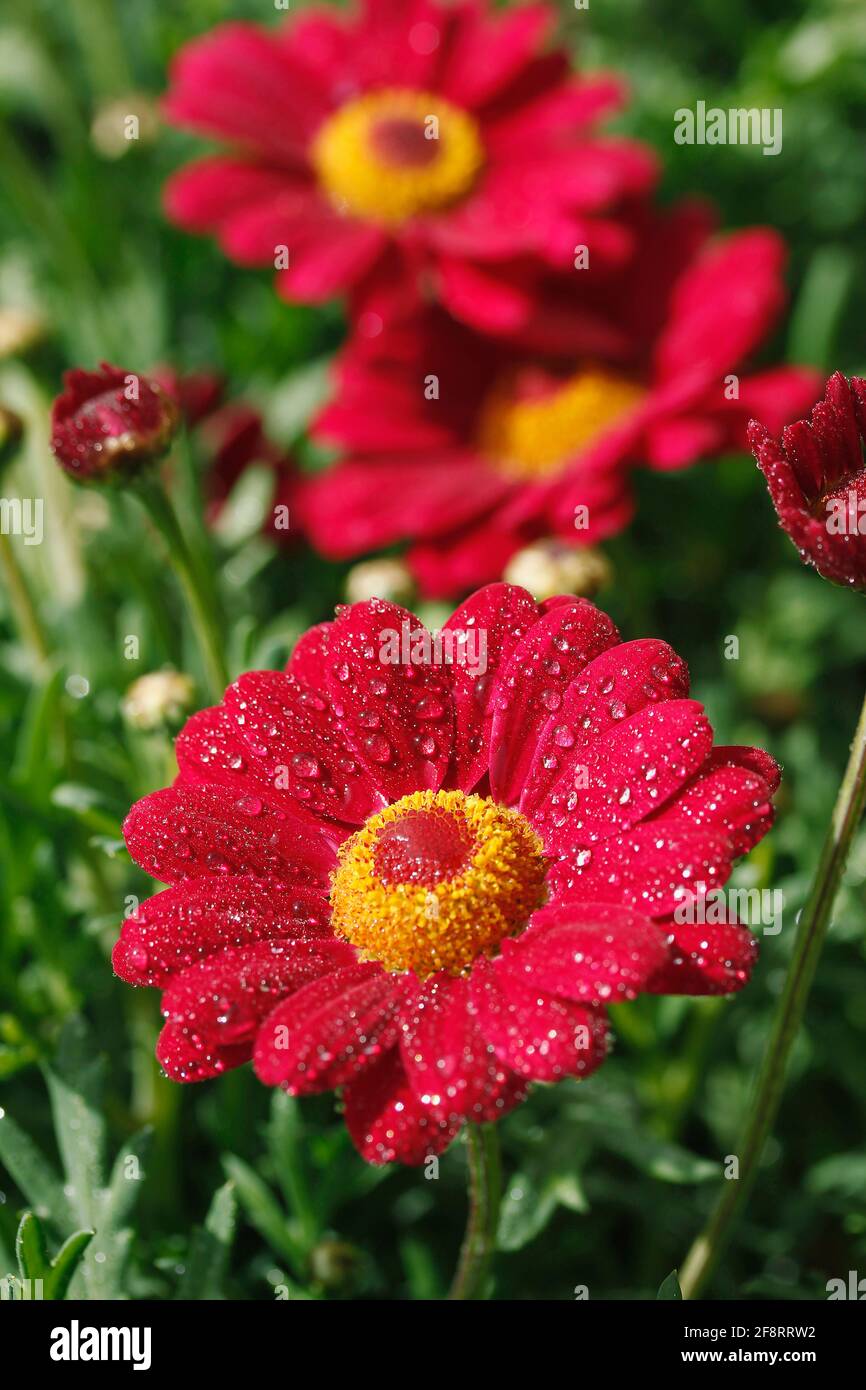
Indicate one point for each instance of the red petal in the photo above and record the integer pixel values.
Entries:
(223, 1000)
(621, 681)
(187, 1058)
(386, 1121)
(292, 733)
(620, 779)
(330, 1031)
(725, 797)
(706, 959)
(648, 868)
(538, 1035)
(185, 832)
(589, 952)
(501, 613)
(531, 686)
(203, 916)
(449, 1064)
(396, 714)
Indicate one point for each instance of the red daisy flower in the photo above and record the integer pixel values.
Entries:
(110, 423)
(422, 885)
(817, 479)
(472, 448)
(414, 143)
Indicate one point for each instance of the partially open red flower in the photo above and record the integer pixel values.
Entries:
(414, 143)
(110, 422)
(816, 474)
(472, 447)
(422, 881)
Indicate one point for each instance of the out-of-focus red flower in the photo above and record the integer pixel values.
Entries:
(413, 145)
(110, 423)
(233, 437)
(422, 880)
(817, 479)
(470, 447)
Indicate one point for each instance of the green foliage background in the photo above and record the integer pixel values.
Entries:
(224, 1191)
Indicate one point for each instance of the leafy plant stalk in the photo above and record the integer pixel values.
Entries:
(707, 1249)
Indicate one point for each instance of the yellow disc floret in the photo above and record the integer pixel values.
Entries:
(534, 433)
(392, 154)
(435, 880)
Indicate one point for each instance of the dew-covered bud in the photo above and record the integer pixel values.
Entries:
(387, 578)
(159, 700)
(110, 423)
(548, 568)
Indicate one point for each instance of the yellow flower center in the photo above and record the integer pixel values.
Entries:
(435, 880)
(392, 154)
(532, 424)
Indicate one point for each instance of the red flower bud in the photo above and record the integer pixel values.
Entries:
(817, 480)
(111, 422)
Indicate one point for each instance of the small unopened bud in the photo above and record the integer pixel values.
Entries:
(124, 122)
(19, 330)
(548, 568)
(159, 700)
(108, 424)
(333, 1263)
(11, 433)
(383, 578)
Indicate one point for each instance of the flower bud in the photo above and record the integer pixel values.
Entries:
(109, 423)
(386, 578)
(548, 568)
(159, 700)
(19, 330)
(817, 481)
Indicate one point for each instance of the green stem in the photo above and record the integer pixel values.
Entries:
(706, 1251)
(150, 492)
(485, 1192)
(21, 603)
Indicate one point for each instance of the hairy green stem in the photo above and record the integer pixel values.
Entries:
(485, 1193)
(707, 1249)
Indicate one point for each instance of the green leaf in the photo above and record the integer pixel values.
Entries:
(65, 1264)
(32, 1172)
(75, 1089)
(33, 1262)
(670, 1287)
(264, 1211)
(210, 1248)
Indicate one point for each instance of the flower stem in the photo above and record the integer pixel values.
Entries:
(21, 603)
(152, 495)
(485, 1191)
(706, 1251)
